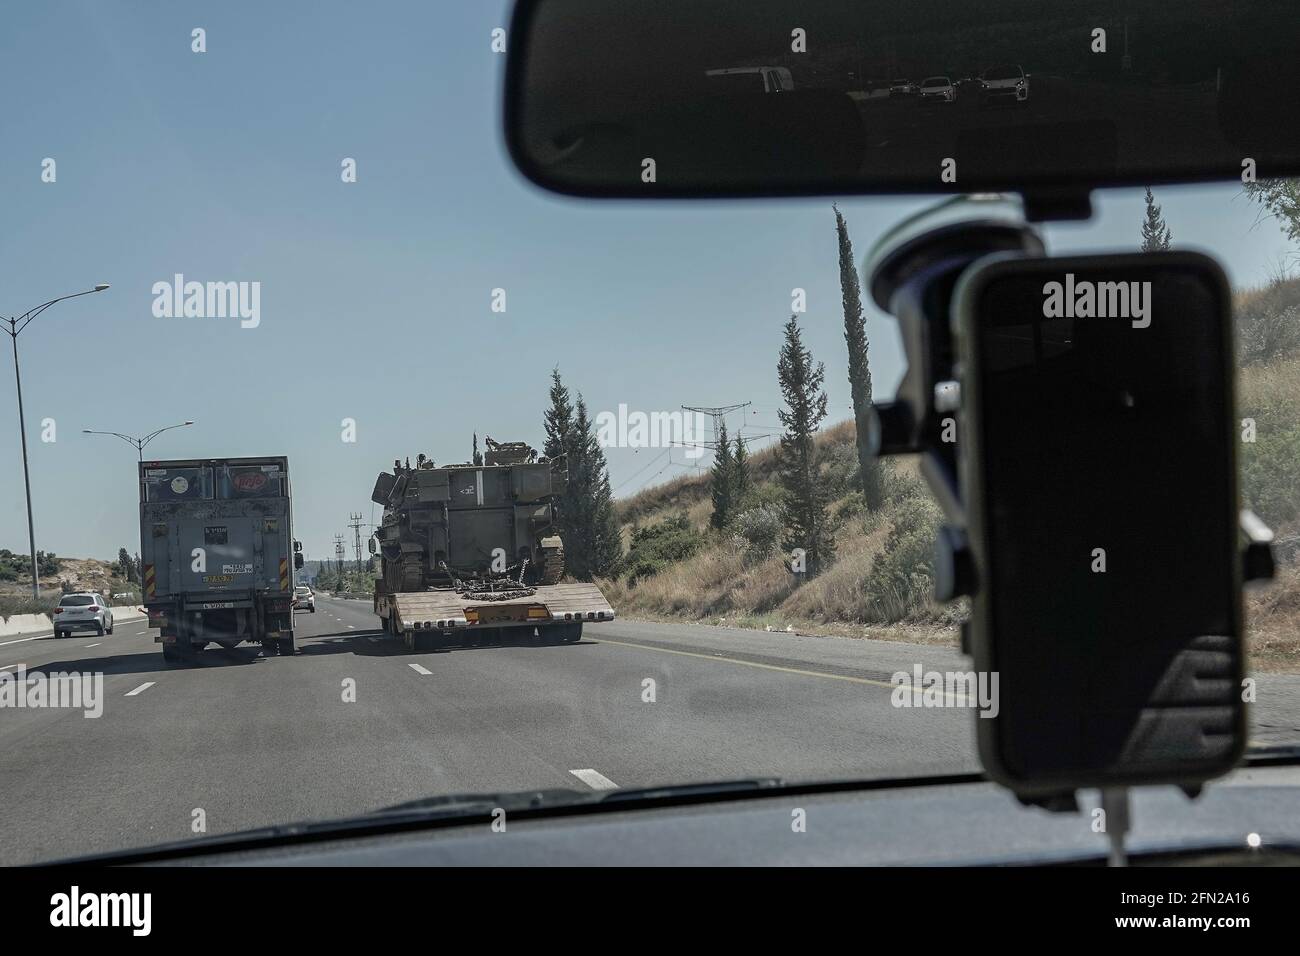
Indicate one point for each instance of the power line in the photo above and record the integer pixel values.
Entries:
(717, 413)
(354, 522)
(650, 464)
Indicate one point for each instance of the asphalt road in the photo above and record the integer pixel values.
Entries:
(240, 740)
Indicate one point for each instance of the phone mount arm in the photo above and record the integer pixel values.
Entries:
(912, 272)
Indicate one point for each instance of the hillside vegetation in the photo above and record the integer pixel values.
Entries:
(58, 576)
(881, 581)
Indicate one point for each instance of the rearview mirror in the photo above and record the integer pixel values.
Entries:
(297, 561)
(749, 97)
(370, 543)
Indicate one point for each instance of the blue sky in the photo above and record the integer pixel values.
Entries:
(375, 296)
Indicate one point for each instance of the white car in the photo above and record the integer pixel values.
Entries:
(937, 89)
(82, 612)
(304, 598)
(1006, 84)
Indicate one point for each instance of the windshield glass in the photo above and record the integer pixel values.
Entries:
(77, 600)
(343, 268)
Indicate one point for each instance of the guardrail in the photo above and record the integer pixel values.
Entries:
(17, 625)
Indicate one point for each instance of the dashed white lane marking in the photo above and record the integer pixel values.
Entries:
(24, 640)
(597, 781)
(420, 670)
(7, 666)
(96, 644)
(352, 627)
(143, 687)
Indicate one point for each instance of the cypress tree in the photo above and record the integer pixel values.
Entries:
(740, 484)
(558, 426)
(855, 337)
(804, 500)
(1155, 231)
(722, 481)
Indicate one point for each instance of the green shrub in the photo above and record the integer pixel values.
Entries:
(765, 495)
(1270, 474)
(902, 576)
(15, 566)
(898, 486)
(1270, 465)
(1268, 322)
(758, 530)
(839, 470)
(656, 546)
(11, 604)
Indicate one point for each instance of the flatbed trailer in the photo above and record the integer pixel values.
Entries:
(425, 620)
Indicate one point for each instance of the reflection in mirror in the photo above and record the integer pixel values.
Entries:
(664, 97)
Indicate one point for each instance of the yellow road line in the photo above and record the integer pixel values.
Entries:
(766, 667)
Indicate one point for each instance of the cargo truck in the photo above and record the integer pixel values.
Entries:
(471, 552)
(217, 553)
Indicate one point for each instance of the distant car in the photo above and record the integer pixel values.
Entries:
(901, 87)
(766, 79)
(304, 598)
(82, 612)
(937, 89)
(1003, 84)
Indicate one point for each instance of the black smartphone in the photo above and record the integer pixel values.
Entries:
(1097, 448)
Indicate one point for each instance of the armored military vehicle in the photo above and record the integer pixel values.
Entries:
(474, 548)
(218, 555)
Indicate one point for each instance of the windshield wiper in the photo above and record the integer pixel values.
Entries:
(467, 804)
(677, 792)
(1279, 755)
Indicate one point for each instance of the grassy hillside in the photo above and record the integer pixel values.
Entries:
(739, 576)
(880, 583)
(78, 574)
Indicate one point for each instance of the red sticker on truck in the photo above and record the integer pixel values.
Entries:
(249, 481)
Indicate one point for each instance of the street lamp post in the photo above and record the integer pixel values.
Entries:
(16, 325)
(139, 443)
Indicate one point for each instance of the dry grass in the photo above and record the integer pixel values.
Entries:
(722, 585)
(1273, 623)
(719, 585)
(690, 493)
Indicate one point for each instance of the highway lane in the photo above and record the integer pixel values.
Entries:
(353, 723)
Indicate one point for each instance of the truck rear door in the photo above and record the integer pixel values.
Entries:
(259, 494)
(172, 496)
(228, 546)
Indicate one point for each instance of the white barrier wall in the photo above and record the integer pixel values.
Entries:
(17, 625)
